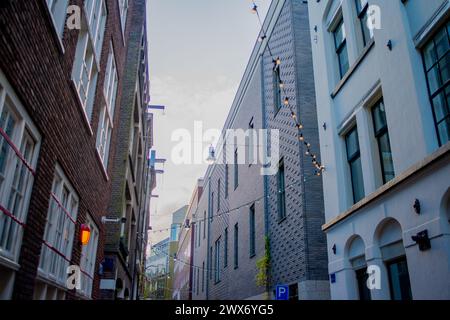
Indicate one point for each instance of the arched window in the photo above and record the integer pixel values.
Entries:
(357, 258)
(393, 253)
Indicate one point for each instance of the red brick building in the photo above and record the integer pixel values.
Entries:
(59, 109)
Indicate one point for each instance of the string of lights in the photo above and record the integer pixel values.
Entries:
(247, 204)
(298, 124)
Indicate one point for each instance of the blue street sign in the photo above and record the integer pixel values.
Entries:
(282, 292)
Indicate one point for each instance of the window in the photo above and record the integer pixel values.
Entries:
(210, 262)
(85, 68)
(198, 281)
(236, 170)
(361, 279)
(399, 279)
(225, 250)
(218, 195)
(19, 149)
(252, 231)
(59, 229)
(211, 214)
(111, 80)
(384, 146)
(293, 292)
(226, 180)
(236, 246)
(251, 141)
(203, 277)
(354, 161)
(204, 225)
(436, 59)
(88, 258)
(277, 103)
(123, 8)
(362, 9)
(104, 136)
(58, 9)
(217, 261)
(281, 191)
(340, 43)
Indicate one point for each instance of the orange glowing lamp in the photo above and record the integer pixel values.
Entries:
(85, 234)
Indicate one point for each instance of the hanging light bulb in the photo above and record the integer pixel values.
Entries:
(293, 115)
(278, 61)
(261, 39)
(211, 155)
(281, 84)
(301, 138)
(307, 152)
(286, 101)
(255, 8)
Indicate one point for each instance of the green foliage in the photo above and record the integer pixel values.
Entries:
(263, 266)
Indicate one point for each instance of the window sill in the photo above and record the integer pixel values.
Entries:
(353, 68)
(81, 109)
(102, 166)
(6, 262)
(252, 255)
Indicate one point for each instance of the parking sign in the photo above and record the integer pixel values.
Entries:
(282, 292)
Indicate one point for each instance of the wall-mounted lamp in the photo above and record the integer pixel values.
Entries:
(334, 248)
(416, 206)
(389, 45)
(85, 234)
(422, 240)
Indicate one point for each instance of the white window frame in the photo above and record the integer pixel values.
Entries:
(111, 82)
(104, 132)
(59, 229)
(88, 259)
(58, 11)
(25, 131)
(123, 9)
(86, 65)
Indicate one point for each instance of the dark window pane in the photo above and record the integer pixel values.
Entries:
(386, 158)
(434, 79)
(440, 106)
(429, 55)
(399, 280)
(441, 42)
(444, 130)
(339, 34)
(357, 179)
(361, 278)
(444, 65)
(343, 60)
(352, 143)
(379, 117)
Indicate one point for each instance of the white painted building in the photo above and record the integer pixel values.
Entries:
(383, 99)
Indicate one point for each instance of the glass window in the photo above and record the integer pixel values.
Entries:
(225, 253)
(361, 279)
(252, 231)
(226, 180)
(362, 7)
(340, 43)
(281, 191)
(354, 161)
(236, 246)
(59, 229)
(399, 279)
(384, 146)
(217, 261)
(88, 259)
(123, 7)
(18, 156)
(218, 195)
(58, 9)
(236, 170)
(277, 103)
(436, 58)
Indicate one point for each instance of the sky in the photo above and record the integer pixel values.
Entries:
(198, 51)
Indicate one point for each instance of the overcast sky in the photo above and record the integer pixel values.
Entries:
(198, 53)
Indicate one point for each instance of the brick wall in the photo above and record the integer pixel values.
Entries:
(40, 73)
